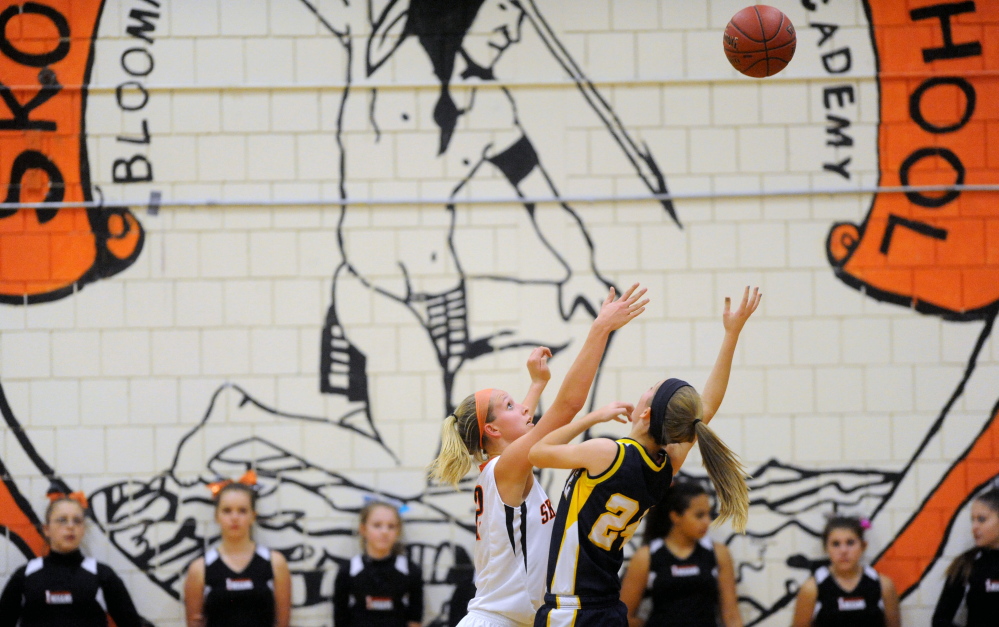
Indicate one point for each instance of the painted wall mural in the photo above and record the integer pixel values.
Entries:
(476, 174)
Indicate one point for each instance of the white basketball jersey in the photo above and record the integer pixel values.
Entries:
(511, 550)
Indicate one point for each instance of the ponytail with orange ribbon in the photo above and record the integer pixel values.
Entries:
(249, 478)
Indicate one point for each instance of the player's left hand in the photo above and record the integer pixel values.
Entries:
(537, 364)
(619, 411)
(734, 320)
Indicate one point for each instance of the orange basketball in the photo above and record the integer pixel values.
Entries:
(759, 41)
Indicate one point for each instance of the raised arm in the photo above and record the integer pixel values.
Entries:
(717, 383)
(513, 470)
(537, 366)
(556, 451)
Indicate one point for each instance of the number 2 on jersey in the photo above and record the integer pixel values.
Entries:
(613, 523)
(478, 508)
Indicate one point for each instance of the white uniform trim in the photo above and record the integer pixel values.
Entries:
(90, 565)
(356, 565)
(402, 564)
(33, 566)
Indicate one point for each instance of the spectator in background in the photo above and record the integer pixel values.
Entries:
(973, 577)
(379, 587)
(689, 578)
(239, 583)
(846, 593)
(65, 588)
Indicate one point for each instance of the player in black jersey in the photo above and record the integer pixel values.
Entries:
(239, 583)
(65, 588)
(379, 587)
(974, 576)
(615, 482)
(689, 578)
(846, 593)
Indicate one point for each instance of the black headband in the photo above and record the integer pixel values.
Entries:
(659, 402)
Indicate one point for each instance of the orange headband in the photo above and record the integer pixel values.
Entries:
(249, 478)
(482, 398)
(79, 497)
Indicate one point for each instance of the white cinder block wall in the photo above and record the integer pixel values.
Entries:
(203, 356)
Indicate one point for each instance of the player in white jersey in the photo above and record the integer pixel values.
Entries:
(513, 516)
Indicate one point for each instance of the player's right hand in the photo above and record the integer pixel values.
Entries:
(617, 312)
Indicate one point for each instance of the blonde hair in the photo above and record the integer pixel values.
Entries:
(683, 424)
(459, 444)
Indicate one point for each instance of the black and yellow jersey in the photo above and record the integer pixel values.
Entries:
(596, 516)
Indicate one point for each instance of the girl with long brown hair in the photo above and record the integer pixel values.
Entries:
(973, 577)
(615, 482)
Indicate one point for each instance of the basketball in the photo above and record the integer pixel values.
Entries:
(759, 41)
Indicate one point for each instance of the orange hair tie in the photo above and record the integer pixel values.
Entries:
(482, 398)
(79, 497)
(249, 478)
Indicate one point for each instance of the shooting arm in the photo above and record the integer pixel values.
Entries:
(717, 383)
(513, 470)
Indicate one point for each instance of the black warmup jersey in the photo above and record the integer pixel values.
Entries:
(244, 599)
(861, 607)
(66, 590)
(684, 592)
(981, 594)
(596, 516)
(378, 593)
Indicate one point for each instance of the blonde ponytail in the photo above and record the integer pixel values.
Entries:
(683, 424)
(459, 445)
(727, 475)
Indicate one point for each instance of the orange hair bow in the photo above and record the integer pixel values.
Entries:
(79, 497)
(249, 478)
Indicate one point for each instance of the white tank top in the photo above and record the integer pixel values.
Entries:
(511, 550)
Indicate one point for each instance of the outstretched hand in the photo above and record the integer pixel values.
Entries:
(617, 312)
(734, 320)
(619, 411)
(537, 364)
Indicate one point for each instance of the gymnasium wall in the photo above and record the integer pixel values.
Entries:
(289, 235)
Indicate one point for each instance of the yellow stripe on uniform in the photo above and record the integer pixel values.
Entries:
(564, 578)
